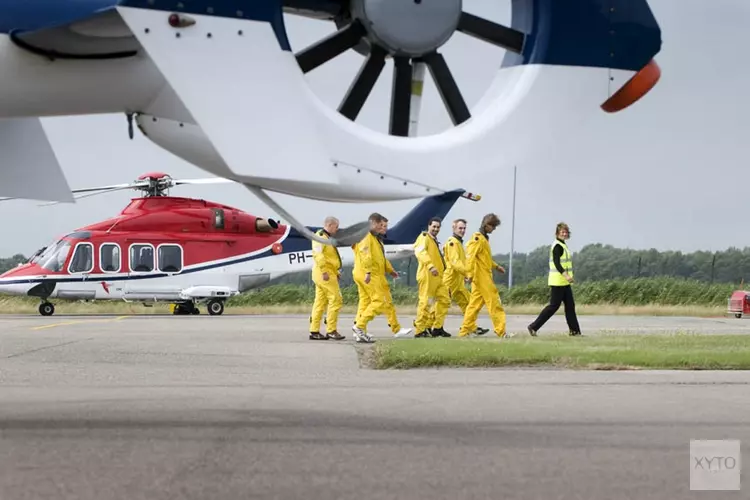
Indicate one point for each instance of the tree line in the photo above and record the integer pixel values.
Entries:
(593, 262)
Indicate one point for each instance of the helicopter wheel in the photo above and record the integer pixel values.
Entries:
(215, 307)
(46, 309)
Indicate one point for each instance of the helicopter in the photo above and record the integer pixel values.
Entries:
(217, 84)
(185, 251)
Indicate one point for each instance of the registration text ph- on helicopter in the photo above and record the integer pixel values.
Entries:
(185, 251)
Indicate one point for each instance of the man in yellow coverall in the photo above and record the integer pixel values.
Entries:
(455, 272)
(479, 266)
(430, 281)
(325, 274)
(370, 268)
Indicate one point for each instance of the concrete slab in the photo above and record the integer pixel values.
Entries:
(246, 407)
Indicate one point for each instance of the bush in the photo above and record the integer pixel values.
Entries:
(629, 291)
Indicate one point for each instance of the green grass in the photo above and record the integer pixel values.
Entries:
(601, 352)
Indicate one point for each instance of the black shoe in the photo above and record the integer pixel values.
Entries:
(575, 334)
(422, 335)
(318, 336)
(439, 332)
(532, 332)
(335, 336)
(481, 331)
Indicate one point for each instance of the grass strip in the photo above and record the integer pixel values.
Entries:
(600, 352)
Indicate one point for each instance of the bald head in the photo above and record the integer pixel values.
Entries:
(331, 225)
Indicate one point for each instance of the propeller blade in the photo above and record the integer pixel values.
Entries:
(83, 190)
(348, 236)
(104, 188)
(89, 194)
(208, 180)
(494, 33)
(363, 84)
(401, 97)
(330, 47)
(446, 84)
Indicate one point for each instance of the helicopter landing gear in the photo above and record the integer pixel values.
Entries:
(185, 308)
(215, 307)
(46, 309)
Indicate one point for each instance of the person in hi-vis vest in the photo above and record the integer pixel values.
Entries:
(559, 279)
(326, 273)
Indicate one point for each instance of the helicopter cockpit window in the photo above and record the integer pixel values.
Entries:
(170, 258)
(141, 257)
(83, 259)
(53, 258)
(109, 257)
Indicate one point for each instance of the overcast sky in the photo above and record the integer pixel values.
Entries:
(678, 163)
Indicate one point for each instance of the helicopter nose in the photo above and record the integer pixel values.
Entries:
(15, 288)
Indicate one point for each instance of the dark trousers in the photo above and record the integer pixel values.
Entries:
(559, 295)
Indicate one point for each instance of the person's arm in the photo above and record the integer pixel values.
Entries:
(471, 257)
(365, 255)
(420, 252)
(451, 255)
(389, 267)
(320, 258)
(556, 256)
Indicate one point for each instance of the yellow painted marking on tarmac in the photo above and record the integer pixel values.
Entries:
(78, 322)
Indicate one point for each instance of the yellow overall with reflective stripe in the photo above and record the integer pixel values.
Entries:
(555, 278)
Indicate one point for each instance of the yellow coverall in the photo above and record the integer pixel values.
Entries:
(479, 266)
(431, 287)
(455, 272)
(327, 293)
(375, 296)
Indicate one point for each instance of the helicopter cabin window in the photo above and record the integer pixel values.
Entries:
(109, 257)
(141, 257)
(83, 259)
(170, 258)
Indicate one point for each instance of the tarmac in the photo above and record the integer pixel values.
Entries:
(245, 407)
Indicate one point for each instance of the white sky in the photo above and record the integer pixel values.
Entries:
(676, 164)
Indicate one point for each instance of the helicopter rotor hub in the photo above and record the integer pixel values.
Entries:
(408, 27)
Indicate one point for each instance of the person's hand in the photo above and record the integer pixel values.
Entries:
(568, 277)
(501, 269)
(434, 271)
(325, 276)
(394, 274)
(367, 278)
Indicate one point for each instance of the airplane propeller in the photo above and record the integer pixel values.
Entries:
(381, 31)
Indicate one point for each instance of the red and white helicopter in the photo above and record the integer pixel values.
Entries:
(184, 251)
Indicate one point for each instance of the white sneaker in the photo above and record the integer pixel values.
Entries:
(403, 333)
(362, 336)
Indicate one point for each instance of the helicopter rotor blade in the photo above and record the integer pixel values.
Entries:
(207, 180)
(89, 194)
(344, 237)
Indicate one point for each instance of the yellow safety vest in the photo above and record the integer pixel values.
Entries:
(555, 278)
